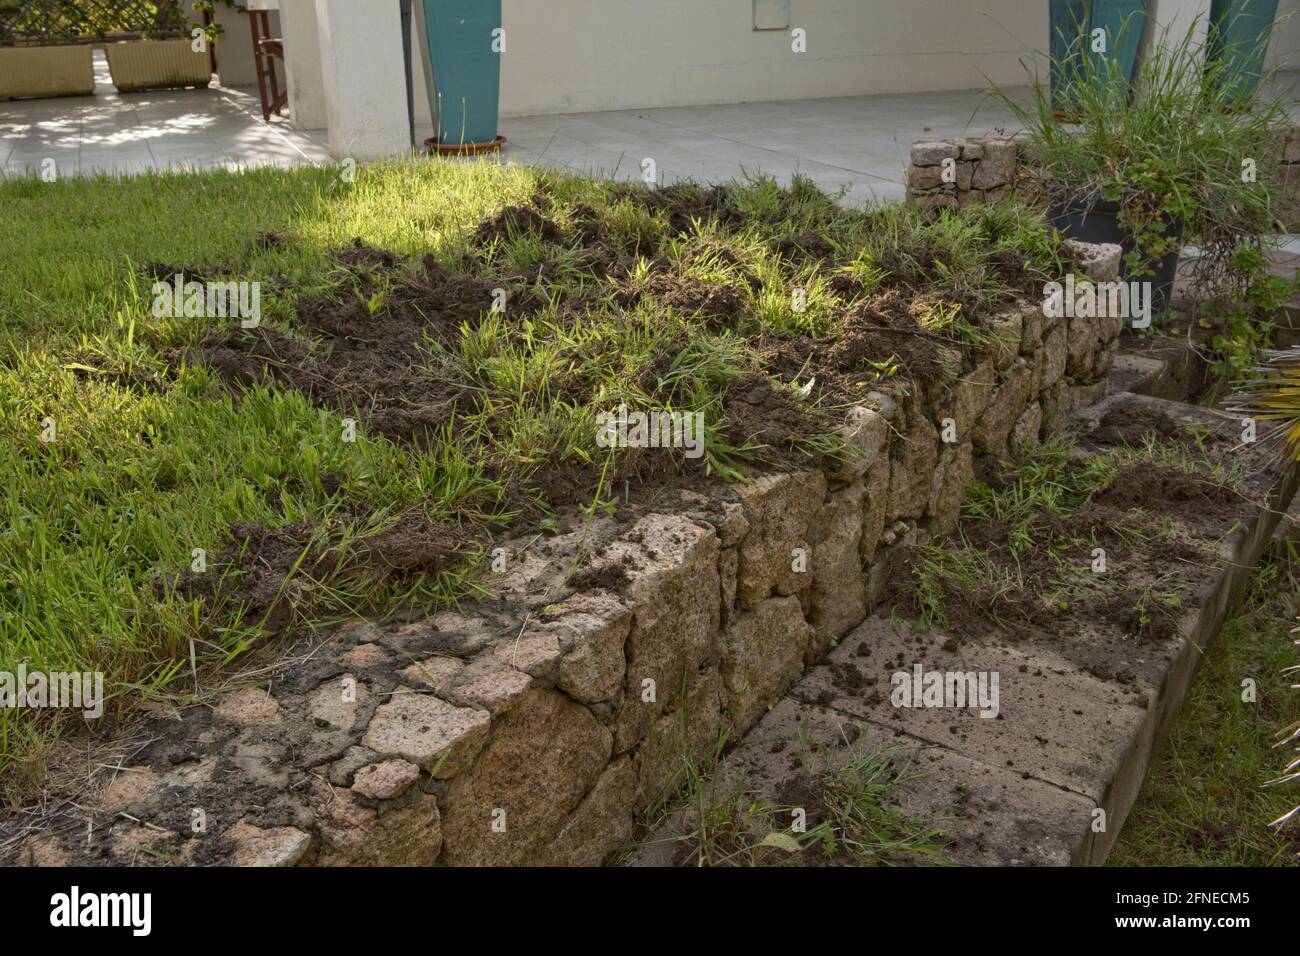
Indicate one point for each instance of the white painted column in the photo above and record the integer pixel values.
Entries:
(365, 78)
(302, 64)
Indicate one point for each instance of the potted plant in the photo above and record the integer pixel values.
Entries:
(462, 43)
(166, 56)
(41, 53)
(1150, 165)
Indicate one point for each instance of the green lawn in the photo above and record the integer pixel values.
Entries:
(1204, 802)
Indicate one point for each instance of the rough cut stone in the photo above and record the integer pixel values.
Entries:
(248, 707)
(601, 823)
(1008, 332)
(692, 729)
(874, 513)
(933, 153)
(543, 758)
(994, 427)
(406, 833)
(925, 177)
(592, 630)
(971, 396)
(762, 655)
(675, 596)
(867, 432)
(733, 526)
(363, 656)
(432, 734)
(728, 581)
(997, 168)
(277, 846)
(386, 780)
(1098, 260)
(436, 672)
(329, 705)
(537, 653)
(1025, 431)
(779, 509)
(488, 683)
(956, 470)
(1082, 343)
(839, 599)
(912, 468)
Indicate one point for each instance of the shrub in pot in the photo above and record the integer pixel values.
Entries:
(1153, 164)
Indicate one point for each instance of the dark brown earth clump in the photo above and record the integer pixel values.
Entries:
(368, 353)
(682, 203)
(514, 222)
(1143, 486)
(1148, 572)
(279, 576)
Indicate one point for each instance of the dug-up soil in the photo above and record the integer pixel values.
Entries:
(373, 348)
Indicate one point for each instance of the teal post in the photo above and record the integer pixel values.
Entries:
(1238, 42)
(462, 40)
(1074, 25)
(1068, 23)
(1123, 21)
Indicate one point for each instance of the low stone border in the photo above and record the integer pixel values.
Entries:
(530, 727)
(950, 173)
(956, 172)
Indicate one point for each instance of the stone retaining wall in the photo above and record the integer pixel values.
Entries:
(950, 173)
(530, 727)
(956, 172)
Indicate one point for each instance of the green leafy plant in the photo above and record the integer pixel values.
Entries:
(1184, 161)
(1168, 148)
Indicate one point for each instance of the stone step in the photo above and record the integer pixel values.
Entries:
(1080, 709)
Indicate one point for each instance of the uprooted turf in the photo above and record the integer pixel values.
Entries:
(437, 339)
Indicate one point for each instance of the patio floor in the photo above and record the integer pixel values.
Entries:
(135, 132)
(858, 145)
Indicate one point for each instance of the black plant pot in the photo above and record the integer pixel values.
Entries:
(1098, 221)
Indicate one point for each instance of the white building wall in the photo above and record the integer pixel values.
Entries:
(578, 55)
(1284, 48)
(235, 46)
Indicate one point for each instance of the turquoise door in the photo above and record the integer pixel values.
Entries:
(1094, 42)
(461, 40)
(1123, 22)
(1238, 42)
(1068, 22)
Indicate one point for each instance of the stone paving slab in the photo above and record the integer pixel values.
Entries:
(1035, 689)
